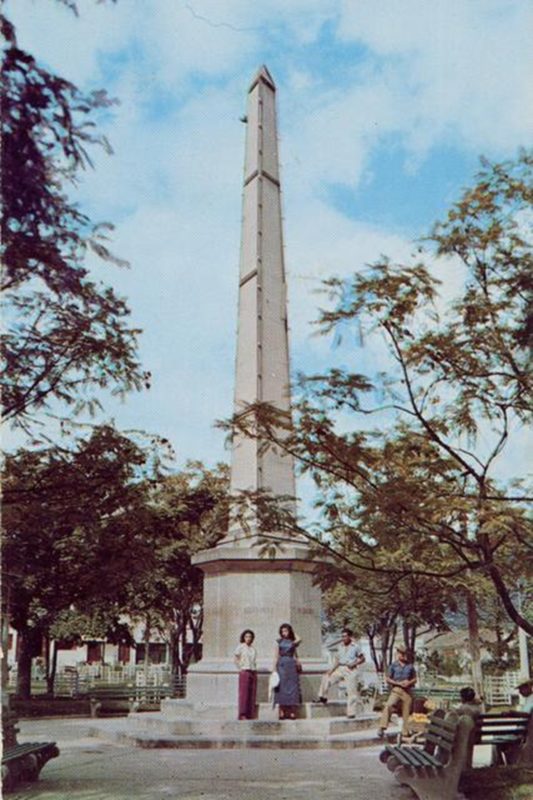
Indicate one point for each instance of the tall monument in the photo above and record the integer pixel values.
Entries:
(243, 588)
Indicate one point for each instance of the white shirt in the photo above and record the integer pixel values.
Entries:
(527, 704)
(348, 654)
(247, 656)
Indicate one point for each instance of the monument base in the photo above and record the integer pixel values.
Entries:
(244, 589)
(182, 725)
(213, 685)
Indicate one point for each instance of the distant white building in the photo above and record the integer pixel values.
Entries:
(99, 651)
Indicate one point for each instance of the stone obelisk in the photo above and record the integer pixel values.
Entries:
(243, 588)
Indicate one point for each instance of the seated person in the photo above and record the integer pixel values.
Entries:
(526, 693)
(401, 678)
(349, 657)
(470, 704)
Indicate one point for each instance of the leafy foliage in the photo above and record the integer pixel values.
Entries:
(73, 530)
(424, 493)
(185, 513)
(386, 610)
(67, 335)
(95, 533)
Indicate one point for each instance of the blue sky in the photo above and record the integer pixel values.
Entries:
(384, 109)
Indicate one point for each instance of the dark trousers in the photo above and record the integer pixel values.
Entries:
(247, 692)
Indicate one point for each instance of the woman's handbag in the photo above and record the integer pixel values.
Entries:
(273, 685)
(273, 681)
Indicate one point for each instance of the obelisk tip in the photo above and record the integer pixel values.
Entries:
(263, 75)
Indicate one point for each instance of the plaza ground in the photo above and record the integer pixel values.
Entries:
(91, 768)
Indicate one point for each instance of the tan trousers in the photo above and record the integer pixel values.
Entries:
(349, 676)
(398, 696)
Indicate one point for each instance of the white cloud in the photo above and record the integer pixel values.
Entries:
(433, 73)
(462, 68)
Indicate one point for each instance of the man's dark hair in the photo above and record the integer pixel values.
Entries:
(467, 695)
(348, 631)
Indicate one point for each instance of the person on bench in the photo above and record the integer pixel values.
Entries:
(401, 678)
(526, 692)
(469, 704)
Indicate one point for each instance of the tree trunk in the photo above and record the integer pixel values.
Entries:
(475, 647)
(30, 641)
(174, 653)
(378, 663)
(51, 676)
(409, 636)
(389, 638)
(146, 650)
(185, 656)
(505, 597)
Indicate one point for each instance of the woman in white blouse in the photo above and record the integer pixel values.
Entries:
(246, 662)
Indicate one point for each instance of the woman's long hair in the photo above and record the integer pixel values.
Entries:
(291, 636)
(243, 634)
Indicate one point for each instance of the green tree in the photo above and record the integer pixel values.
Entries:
(73, 532)
(67, 336)
(426, 493)
(184, 513)
(387, 610)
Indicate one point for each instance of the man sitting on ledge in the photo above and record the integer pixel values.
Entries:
(401, 678)
(347, 659)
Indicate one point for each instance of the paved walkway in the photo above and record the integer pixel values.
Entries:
(92, 769)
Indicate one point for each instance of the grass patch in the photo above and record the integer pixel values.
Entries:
(498, 783)
(50, 707)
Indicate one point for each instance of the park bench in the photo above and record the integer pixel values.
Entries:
(122, 699)
(508, 732)
(433, 770)
(23, 762)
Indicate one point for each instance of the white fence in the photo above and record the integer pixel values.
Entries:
(500, 689)
(71, 681)
(497, 689)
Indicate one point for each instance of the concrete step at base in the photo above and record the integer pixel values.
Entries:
(123, 731)
(173, 708)
(227, 742)
(156, 724)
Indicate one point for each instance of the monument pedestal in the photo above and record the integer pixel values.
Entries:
(243, 588)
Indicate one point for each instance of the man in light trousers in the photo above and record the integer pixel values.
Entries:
(401, 678)
(347, 659)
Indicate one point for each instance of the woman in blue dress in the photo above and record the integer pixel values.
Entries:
(286, 663)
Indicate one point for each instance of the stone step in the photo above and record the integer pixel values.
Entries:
(362, 739)
(173, 708)
(159, 725)
(126, 731)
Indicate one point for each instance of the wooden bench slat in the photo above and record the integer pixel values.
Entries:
(424, 759)
(414, 756)
(411, 759)
(503, 728)
(26, 748)
(444, 724)
(425, 773)
(442, 743)
(506, 724)
(402, 754)
(446, 735)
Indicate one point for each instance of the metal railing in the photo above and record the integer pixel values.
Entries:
(73, 682)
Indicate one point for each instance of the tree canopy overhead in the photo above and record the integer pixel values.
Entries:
(425, 492)
(67, 335)
(95, 531)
